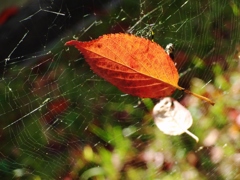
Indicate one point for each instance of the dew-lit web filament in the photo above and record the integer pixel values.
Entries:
(26, 115)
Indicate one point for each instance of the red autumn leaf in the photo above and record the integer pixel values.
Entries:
(135, 65)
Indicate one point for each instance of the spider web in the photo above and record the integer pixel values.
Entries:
(61, 121)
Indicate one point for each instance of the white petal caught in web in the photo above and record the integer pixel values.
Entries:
(172, 118)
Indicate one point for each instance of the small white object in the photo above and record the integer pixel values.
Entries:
(19, 172)
(172, 118)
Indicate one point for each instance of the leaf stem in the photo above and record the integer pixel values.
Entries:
(192, 135)
(199, 96)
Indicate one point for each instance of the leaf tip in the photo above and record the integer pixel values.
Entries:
(71, 43)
